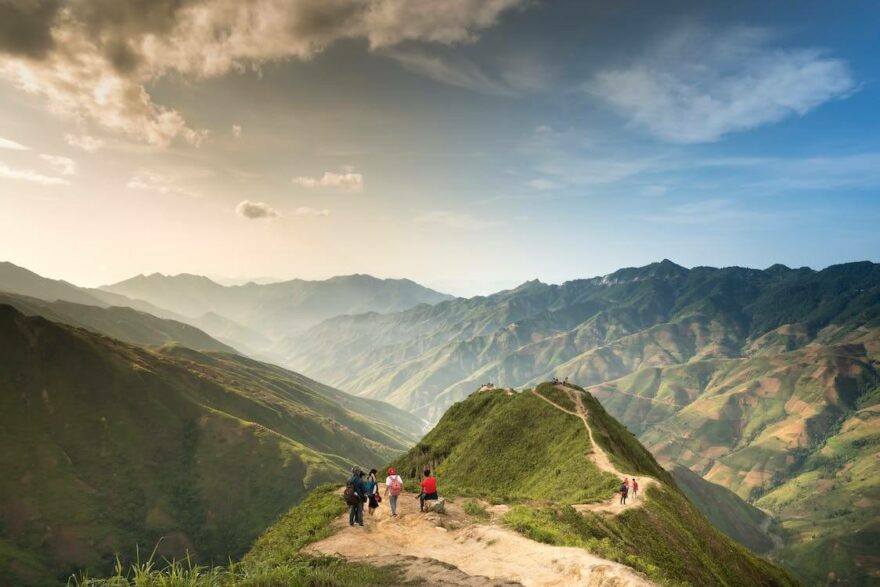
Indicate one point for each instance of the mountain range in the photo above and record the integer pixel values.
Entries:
(250, 316)
(762, 381)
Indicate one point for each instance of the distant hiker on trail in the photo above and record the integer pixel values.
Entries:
(393, 488)
(372, 490)
(355, 495)
(429, 490)
(624, 490)
(635, 487)
(565, 381)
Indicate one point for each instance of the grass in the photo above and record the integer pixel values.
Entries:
(275, 559)
(508, 448)
(476, 510)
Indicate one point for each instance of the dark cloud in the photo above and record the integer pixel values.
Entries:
(26, 26)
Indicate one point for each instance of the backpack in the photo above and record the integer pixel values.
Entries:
(396, 486)
(349, 495)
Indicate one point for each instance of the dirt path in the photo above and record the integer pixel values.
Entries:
(601, 459)
(488, 553)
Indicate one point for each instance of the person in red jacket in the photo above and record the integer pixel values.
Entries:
(635, 488)
(429, 489)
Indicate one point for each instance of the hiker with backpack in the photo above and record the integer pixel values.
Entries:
(393, 488)
(429, 490)
(372, 489)
(624, 490)
(355, 494)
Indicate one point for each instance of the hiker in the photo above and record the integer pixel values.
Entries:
(635, 487)
(372, 490)
(355, 496)
(624, 490)
(429, 490)
(393, 488)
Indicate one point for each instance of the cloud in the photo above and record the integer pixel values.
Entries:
(451, 70)
(30, 175)
(456, 220)
(62, 165)
(701, 212)
(12, 145)
(305, 211)
(699, 85)
(84, 142)
(152, 181)
(236, 131)
(255, 210)
(94, 59)
(349, 181)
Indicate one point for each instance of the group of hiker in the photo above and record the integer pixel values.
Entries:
(363, 488)
(628, 489)
(556, 381)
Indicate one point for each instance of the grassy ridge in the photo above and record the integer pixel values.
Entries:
(510, 448)
(517, 448)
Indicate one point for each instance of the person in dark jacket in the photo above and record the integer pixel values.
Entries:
(356, 512)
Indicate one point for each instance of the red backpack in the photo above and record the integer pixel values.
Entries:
(396, 485)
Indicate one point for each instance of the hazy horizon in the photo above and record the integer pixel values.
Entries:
(468, 149)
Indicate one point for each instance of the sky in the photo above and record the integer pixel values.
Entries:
(469, 145)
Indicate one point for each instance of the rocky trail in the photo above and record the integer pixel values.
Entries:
(456, 549)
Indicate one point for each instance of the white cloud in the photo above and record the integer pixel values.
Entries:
(94, 60)
(452, 70)
(84, 142)
(456, 220)
(236, 131)
(255, 210)
(62, 165)
(12, 145)
(349, 181)
(148, 180)
(30, 175)
(700, 85)
(305, 211)
(544, 184)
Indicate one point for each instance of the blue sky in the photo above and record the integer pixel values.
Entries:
(468, 145)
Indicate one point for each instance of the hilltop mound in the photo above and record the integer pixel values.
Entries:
(107, 446)
(533, 453)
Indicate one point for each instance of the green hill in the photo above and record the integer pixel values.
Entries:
(518, 449)
(123, 323)
(107, 446)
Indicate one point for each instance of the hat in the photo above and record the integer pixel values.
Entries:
(391, 471)
(355, 470)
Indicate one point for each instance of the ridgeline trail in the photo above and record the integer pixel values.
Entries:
(484, 553)
(600, 458)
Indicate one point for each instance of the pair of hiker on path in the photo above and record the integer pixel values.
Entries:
(628, 490)
(359, 490)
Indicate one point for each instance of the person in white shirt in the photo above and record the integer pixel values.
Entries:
(393, 489)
